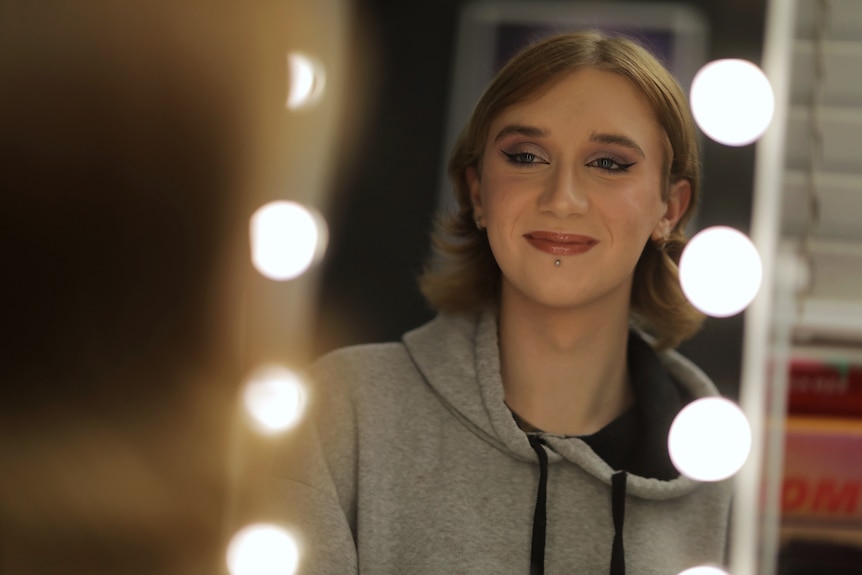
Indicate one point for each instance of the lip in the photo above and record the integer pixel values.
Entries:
(560, 244)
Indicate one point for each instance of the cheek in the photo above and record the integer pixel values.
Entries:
(633, 212)
(499, 196)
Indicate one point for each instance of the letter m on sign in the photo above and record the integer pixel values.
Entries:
(834, 497)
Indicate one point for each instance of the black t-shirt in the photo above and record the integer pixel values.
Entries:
(636, 441)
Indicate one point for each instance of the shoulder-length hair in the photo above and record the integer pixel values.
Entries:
(462, 273)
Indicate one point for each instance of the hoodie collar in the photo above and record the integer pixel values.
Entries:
(458, 355)
(636, 441)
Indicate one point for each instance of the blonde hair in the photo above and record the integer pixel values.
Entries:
(462, 273)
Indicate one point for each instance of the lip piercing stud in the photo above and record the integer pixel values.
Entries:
(557, 263)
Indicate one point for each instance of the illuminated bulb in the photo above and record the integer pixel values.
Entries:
(262, 549)
(306, 81)
(709, 439)
(720, 271)
(704, 570)
(286, 239)
(274, 397)
(732, 101)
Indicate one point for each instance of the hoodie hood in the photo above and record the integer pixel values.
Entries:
(453, 349)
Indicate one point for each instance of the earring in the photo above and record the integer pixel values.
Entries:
(479, 224)
(661, 244)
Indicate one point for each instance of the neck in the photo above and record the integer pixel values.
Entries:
(564, 370)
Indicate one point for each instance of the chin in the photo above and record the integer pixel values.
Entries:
(561, 299)
(569, 297)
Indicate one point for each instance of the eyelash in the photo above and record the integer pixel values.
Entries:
(620, 167)
(528, 158)
(519, 158)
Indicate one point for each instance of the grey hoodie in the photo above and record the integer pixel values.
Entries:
(410, 462)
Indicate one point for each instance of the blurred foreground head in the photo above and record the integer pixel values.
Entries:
(136, 140)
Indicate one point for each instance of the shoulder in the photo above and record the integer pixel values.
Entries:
(357, 367)
(365, 357)
(442, 340)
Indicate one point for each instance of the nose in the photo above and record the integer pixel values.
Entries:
(564, 195)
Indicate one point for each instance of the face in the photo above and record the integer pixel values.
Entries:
(576, 176)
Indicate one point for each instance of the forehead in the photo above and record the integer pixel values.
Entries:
(586, 99)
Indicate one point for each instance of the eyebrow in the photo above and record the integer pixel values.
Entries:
(534, 132)
(619, 140)
(522, 130)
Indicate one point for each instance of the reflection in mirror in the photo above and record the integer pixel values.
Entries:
(553, 280)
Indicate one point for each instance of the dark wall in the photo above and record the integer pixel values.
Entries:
(384, 201)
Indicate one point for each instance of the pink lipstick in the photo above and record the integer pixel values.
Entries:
(559, 244)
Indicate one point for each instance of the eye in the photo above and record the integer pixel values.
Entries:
(524, 158)
(610, 165)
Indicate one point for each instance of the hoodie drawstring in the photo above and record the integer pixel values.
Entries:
(618, 509)
(537, 552)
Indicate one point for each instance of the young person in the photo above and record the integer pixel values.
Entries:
(524, 429)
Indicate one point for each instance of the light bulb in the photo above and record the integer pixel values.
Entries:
(709, 440)
(732, 101)
(286, 239)
(262, 549)
(720, 271)
(306, 81)
(704, 570)
(275, 398)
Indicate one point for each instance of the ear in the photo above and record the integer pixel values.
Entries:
(473, 182)
(677, 202)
